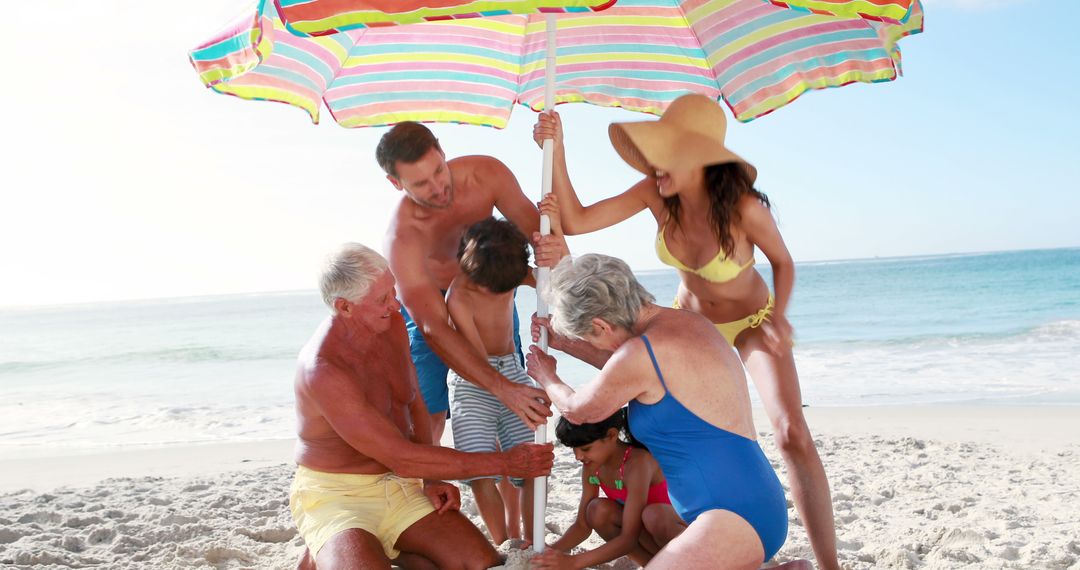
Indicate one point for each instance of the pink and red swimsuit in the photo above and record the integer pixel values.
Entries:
(657, 493)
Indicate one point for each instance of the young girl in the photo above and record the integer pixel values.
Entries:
(635, 515)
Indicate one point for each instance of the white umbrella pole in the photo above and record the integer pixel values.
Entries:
(540, 483)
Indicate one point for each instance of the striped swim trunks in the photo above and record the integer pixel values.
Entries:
(479, 421)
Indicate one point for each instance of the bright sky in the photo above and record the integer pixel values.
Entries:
(122, 177)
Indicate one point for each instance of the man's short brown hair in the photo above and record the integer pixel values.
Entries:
(406, 142)
(494, 254)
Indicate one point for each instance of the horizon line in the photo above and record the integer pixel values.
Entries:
(193, 297)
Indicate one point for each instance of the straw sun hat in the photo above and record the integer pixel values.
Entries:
(689, 135)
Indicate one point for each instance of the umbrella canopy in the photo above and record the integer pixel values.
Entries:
(325, 17)
(638, 54)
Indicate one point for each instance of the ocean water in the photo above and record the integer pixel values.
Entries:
(993, 328)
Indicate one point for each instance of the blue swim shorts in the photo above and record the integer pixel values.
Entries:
(431, 372)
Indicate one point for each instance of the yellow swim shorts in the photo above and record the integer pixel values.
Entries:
(731, 330)
(324, 504)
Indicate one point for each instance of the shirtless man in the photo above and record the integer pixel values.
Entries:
(442, 199)
(367, 488)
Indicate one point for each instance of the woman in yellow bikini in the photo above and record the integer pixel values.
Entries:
(710, 219)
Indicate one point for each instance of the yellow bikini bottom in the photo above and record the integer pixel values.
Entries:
(731, 330)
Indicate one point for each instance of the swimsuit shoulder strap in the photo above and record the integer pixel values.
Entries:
(666, 217)
(625, 456)
(595, 478)
(656, 365)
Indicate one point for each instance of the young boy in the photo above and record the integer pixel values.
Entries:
(494, 260)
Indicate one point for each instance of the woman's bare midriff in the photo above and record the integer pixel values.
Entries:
(723, 302)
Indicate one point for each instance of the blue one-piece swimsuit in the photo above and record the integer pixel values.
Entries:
(710, 468)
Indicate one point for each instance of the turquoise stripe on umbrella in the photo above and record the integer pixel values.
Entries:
(306, 58)
(415, 48)
(224, 47)
(388, 96)
(792, 47)
(645, 76)
(432, 75)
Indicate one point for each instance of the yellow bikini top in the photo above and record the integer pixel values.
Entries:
(718, 270)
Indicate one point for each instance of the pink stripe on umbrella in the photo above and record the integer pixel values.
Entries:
(310, 47)
(606, 70)
(415, 108)
(632, 66)
(622, 35)
(805, 55)
(731, 17)
(299, 68)
(420, 87)
(422, 32)
(535, 102)
(360, 70)
(738, 57)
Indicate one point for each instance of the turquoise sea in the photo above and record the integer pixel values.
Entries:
(991, 328)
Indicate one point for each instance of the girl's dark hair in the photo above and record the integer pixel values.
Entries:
(726, 184)
(577, 435)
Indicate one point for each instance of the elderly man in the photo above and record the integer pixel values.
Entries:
(443, 198)
(367, 488)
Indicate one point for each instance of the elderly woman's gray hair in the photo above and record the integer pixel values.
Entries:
(593, 286)
(349, 273)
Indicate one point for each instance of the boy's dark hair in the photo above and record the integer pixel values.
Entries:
(577, 435)
(406, 142)
(495, 255)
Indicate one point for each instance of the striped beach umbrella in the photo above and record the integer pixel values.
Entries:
(756, 55)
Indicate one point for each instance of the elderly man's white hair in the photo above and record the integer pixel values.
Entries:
(593, 286)
(349, 273)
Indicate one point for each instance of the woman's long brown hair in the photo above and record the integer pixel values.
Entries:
(725, 185)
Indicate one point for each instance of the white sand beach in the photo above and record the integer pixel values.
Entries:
(913, 487)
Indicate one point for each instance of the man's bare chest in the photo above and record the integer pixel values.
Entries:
(385, 385)
(443, 234)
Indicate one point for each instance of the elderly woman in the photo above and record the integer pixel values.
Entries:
(710, 219)
(688, 403)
